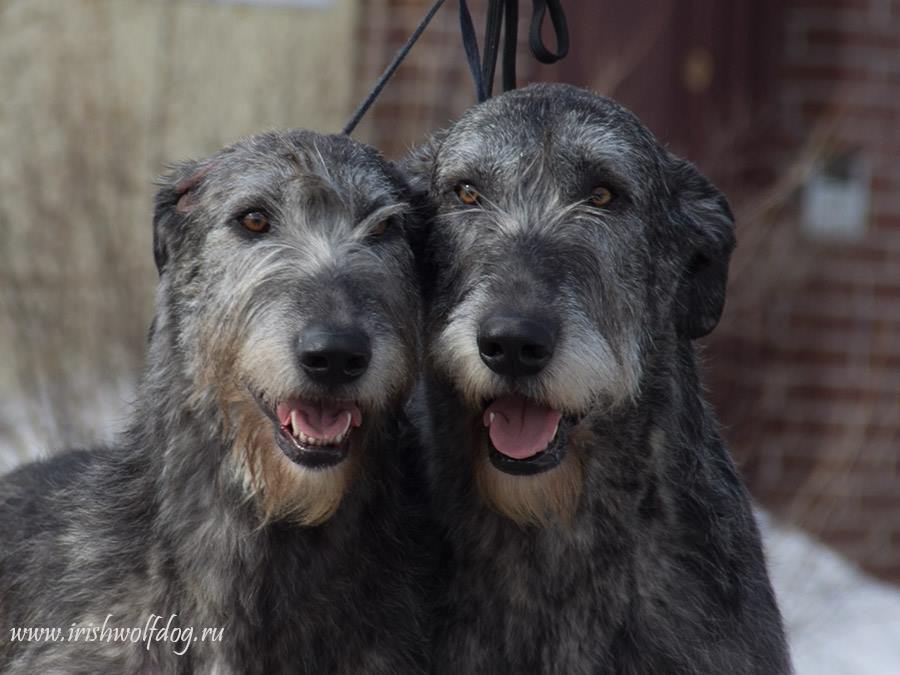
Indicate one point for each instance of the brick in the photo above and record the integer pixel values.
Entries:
(825, 72)
(854, 38)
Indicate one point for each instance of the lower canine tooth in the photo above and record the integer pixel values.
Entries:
(348, 420)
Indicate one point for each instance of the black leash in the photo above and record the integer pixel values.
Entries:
(502, 15)
(483, 70)
(389, 71)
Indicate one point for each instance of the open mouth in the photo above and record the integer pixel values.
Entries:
(524, 437)
(316, 434)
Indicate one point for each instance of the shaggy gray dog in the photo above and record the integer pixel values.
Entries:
(260, 485)
(593, 519)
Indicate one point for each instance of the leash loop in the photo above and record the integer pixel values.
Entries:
(504, 15)
(560, 28)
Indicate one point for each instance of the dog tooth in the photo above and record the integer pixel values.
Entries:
(491, 418)
(348, 419)
(295, 428)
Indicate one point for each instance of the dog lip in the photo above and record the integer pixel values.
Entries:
(542, 461)
(311, 456)
(308, 456)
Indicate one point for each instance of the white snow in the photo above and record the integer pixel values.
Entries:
(840, 621)
(28, 432)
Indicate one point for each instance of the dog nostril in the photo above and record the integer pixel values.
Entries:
(332, 356)
(492, 350)
(534, 353)
(516, 345)
(315, 361)
(356, 364)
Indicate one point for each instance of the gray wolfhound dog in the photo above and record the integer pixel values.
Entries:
(259, 487)
(593, 520)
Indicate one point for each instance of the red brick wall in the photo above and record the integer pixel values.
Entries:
(805, 367)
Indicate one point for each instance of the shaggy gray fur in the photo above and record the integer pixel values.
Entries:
(196, 511)
(650, 562)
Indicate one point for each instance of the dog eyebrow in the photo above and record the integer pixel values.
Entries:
(477, 171)
(615, 171)
(382, 213)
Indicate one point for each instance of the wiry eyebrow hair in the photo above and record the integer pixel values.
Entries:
(606, 152)
(382, 213)
(480, 169)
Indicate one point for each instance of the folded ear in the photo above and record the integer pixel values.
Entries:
(175, 200)
(419, 164)
(419, 167)
(421, 208)
(703, 216)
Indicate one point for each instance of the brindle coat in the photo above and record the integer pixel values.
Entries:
(637, 553)
(197, 510)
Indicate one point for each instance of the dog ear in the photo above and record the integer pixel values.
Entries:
(175, 200)
(419, 164)
(702, 210)
(421, 209)
(418, 168)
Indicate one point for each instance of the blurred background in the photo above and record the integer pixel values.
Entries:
(791, 106)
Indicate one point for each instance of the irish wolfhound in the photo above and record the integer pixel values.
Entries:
(258, 487)
(594, 519)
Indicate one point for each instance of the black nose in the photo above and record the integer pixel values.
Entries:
(332, 356)
(515, 345)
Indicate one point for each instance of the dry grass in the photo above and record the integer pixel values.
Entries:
(76, 274)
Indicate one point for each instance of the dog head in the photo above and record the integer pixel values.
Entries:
(567, 245)
(287, 286)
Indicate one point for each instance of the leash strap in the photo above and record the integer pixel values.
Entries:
(483, 69)
(560, 30)
(389, 71)
(470, 45)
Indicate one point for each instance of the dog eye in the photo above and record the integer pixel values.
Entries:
(380, 228)
(467, 194)
(600, 196)
(256, 222)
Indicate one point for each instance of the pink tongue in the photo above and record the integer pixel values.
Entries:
(319, 420)
(520, 428)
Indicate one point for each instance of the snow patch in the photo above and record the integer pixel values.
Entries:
(839, 620)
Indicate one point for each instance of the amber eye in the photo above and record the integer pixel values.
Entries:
(600, 196)
(256, 221)
(380, 228)
(467, 194)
